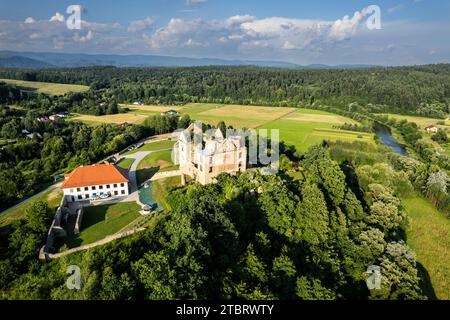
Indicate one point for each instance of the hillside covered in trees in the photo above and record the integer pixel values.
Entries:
(423, 90)
(246, 237)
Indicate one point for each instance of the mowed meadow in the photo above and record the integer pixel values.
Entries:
(56, 89)
(301, 128)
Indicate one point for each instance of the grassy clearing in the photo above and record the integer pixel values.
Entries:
(126, 163)
(150, 108)
(154, 146)
(155, 162)
(420, 121)
(161, 189)
(429, 237)
(236, 116)
(57, 89)
(298, 127)
(102, 221)
(304, 133)
(52, 197)
(113, 118)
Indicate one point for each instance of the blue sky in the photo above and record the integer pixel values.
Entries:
(305, 32)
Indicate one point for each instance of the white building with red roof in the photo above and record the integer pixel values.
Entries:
(100, 181)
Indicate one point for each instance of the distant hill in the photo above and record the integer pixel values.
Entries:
(22, 62)
(41, 60)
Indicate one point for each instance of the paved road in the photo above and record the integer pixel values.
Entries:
(138, 157)
(54, 186)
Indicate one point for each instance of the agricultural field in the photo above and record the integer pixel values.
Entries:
(234, 115)
(420, 121)
(102, 221)
(304, 128)
(298, 127)
(119, 118)
(429, 237)
(56, 89)
(148, 109)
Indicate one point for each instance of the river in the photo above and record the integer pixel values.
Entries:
(384, 133)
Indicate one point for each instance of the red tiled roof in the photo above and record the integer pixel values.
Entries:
(95, 175)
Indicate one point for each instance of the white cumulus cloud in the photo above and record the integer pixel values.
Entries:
(140, 25)
(58, 17)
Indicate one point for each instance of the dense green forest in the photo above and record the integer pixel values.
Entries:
(246, 237)
(423, 90)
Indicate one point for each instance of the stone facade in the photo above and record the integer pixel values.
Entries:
(203, 162)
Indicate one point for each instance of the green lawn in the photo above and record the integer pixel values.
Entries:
(52, 197)
(429, 237)
(154, 146)
(161, 189)
(56, 89)
(102, 221)
(126, 163)
(153, 163)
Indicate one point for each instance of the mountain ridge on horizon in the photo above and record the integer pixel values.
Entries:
(43, 60)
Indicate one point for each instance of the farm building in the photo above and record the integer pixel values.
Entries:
(170, 112)
(205, 161)
(432, 129)
(94, 182)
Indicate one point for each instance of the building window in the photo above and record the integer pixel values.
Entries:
(123, 191)
(122, 184)
(86, 188)
(80, 197)
(93, 188)
(108, 186)
(210, 169)
(115, 185)
(86, 196)
(71, 190)
(210, 160)
(101, 187)
(116, 193)
(78, 189)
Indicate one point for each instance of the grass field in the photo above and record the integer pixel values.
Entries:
(56, 89)
(154, 146)
(52, 197)
(161, 189)
(150, 109)
(298, 127)
(126, 163)
(153, 163)
(236, 116)
(102, 221)
(420, 121)
(304, 128)
(113, 118)
(429, 237)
